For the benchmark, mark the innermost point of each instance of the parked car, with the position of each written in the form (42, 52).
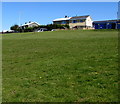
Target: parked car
(7, 31)
(42, 29)
(53, 30)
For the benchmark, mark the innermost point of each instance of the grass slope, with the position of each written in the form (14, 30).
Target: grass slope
(60, 66)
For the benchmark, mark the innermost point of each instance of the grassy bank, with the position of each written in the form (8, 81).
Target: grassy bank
(60, 66)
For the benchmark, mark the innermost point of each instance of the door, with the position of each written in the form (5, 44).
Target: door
(113, 26)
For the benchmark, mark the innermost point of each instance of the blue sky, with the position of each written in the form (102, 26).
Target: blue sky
(45, 12)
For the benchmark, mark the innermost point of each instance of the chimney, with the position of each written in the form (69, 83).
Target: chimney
(66, 16)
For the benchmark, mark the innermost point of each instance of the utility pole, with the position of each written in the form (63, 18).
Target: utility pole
(20, 25)
(19, 18)
(118, 13)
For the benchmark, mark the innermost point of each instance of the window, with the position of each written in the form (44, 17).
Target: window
(82, 20)
(74, 21)
(63, 22)
(70, 21)
(78, 20)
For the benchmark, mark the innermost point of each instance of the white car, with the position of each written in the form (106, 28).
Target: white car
(42, 29)
(53, 30)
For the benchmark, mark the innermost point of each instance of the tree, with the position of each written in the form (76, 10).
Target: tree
(29, 29)
(14, 27)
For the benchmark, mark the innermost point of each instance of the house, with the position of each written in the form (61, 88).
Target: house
(30, 24)
(107, 24)
(82, 22)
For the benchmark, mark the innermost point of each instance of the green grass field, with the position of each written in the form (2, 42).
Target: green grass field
(60, 66)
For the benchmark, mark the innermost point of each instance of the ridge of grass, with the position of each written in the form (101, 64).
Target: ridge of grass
(60, 66)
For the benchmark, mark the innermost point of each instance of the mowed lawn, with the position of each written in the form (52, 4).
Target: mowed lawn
(60, 66)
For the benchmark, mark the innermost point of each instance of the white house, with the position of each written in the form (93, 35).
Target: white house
(30, 24)
(76, 21)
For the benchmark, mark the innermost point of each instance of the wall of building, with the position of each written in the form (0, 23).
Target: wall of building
(76, 24)
(100, 25)
(107, 25)
(118, 25)
(89, 22)
(33, 25)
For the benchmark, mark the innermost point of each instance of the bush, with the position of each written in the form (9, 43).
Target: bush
(29, 29)
(56, 26)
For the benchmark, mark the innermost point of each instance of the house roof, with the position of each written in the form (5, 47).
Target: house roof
(30, 23)
(62, 19)
(80, 17)
(69, 18)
